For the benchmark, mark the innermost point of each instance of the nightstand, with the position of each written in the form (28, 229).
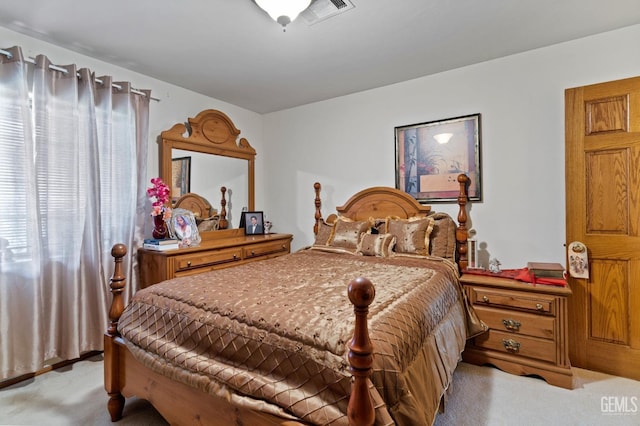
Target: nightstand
(527, 328)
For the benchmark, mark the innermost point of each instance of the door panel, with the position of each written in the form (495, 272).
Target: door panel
(607, 207)
(608, 304)
(602, 155)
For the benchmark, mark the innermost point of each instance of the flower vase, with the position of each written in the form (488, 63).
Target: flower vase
(160, 230)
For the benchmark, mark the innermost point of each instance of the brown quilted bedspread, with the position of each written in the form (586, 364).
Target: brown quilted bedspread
(277, 331)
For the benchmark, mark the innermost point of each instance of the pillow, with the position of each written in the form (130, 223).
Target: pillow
(378, 226)
(347, 233)
(443, 236)
(324, 233)
(412, 235)
(209, 224)
(380, 245)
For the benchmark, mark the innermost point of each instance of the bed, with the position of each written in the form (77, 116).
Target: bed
(276, 343)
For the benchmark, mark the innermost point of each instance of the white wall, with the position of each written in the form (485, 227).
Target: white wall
(176, 104)
(348, 143)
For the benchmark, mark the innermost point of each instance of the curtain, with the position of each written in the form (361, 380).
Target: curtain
(72, 167)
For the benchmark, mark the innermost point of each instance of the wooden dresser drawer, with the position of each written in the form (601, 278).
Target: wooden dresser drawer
(265, 249)
(542, 349)
(531, 302)
(517, 322)
(210, 258)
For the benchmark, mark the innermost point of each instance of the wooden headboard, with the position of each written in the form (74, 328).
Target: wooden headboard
(381, 202)
(198, 205)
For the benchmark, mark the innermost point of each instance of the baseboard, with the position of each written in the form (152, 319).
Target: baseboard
(12, 381)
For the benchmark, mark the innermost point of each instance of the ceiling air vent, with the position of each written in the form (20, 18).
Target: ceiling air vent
(321, 10)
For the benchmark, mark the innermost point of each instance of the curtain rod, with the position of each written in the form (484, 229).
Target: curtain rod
(57, 68)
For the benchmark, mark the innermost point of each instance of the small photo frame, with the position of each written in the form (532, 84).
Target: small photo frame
(183, 227)
(253, 223)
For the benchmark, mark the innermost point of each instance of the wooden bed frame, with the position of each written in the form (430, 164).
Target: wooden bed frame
(178, 403)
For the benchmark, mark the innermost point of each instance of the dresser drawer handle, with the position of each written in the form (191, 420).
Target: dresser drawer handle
(189, 263)
(539, 306)
(485, 299)
(253, 253)
(511, 325)
(511, 345)
(235, 257)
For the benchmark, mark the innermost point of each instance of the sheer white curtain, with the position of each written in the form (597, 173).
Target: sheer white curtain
(72, 167)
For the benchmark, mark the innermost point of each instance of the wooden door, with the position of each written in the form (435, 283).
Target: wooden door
(602, 155)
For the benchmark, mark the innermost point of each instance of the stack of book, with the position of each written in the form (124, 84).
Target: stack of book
(161, 244)
(539, 270)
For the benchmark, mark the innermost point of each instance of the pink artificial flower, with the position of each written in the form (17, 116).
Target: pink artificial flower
(159, 196)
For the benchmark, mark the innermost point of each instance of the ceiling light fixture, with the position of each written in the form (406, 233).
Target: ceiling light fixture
(283, 11)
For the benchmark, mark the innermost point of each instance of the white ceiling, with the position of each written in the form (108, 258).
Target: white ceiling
(232, 51)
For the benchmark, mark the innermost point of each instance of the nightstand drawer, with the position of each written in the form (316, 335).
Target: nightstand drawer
(513, 300)
(518, 345)
(265, 249)
(517, 322)
(199, 260)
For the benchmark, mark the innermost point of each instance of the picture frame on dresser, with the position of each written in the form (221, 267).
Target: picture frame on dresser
(253, 222)
(430, 156)
(183, 227)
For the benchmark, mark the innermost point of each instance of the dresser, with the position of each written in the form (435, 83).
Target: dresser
(527, 328)
(211, 254)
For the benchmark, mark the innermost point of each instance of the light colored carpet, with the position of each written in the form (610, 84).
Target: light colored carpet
(74, 395)
(488, 396)
(69, 396)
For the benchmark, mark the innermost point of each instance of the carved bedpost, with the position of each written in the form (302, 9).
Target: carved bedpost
(461, 232)
(112, 385)
(316, 187)
(223, 223)
(118, 282)
(360, 410)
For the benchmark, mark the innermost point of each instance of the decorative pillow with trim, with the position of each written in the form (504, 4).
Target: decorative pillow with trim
(412, 235)
(378, 225)
(209, 224)
(347, 233)
(443, 236)
(380, 245)
(324, 233)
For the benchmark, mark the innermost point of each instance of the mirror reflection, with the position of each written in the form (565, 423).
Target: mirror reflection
(209, 173)
(217, 157)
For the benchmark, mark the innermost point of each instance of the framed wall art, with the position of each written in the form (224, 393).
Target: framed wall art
(431, 155)
(180, 176)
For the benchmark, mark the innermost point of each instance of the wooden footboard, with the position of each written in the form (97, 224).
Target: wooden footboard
(124, 376)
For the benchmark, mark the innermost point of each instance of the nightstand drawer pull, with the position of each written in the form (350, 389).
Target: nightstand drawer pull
(189, 263)
(511, 325)
(485, 299)
(511, 345)
(539, 307)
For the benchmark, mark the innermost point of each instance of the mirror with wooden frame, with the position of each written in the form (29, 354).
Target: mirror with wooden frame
(218, 175)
